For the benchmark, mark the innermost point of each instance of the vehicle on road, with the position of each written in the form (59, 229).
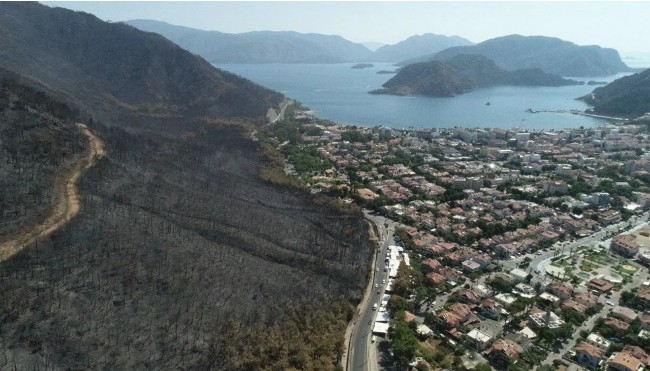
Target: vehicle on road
(376, 285)
(374, 306)
(373, 339)
(383, 281)
(609, 303)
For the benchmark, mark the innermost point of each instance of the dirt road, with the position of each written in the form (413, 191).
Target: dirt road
(65, 208)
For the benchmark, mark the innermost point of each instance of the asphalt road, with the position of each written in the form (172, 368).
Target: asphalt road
(361, 354)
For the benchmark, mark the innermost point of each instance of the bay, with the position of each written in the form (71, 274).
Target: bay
(340, 93)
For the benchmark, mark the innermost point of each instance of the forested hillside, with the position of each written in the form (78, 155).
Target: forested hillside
(461, 74)
(627, 96)
(551, 55)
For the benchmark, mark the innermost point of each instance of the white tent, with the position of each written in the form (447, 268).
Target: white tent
(382, 317)
(380, 328)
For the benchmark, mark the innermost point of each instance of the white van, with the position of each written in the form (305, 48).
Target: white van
(374, 306)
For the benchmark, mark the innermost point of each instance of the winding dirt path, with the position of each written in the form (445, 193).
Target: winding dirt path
(66, 207)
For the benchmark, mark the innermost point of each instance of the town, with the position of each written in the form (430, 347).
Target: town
(513, 249)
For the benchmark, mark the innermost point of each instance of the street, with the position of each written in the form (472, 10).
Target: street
(362, 355)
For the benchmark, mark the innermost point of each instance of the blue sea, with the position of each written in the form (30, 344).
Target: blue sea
(340, 93)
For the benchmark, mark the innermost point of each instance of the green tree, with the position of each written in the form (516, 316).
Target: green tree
(404, 344)
(482, 367)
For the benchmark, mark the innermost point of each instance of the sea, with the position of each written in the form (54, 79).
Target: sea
(339, 93)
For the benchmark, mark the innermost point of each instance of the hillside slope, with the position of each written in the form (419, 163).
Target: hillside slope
(111, 67)
(416, 46)
(551, 55)
(461, 74)
(178, 237)
(627, 96)
(258, 46)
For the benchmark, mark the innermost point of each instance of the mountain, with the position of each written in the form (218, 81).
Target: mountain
(258, 46)
(627, 96)
(372, 46)
(104, 66)
(180, 233)
(551, 55)
(461, 74)
(416, 46)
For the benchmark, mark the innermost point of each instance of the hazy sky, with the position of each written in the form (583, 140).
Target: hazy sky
(620, 25)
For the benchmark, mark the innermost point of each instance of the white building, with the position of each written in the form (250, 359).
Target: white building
(598, 341)
(479, 339)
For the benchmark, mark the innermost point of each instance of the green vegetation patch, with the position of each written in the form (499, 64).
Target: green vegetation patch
(626, 269)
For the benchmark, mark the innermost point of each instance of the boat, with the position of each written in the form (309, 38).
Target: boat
(487, 104)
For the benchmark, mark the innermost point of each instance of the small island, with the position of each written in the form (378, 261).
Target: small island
(359, 66)
(462, 74)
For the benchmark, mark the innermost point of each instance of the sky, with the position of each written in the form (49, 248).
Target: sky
(619, 25)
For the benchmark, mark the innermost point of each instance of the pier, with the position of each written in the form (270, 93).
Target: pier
(577, 112)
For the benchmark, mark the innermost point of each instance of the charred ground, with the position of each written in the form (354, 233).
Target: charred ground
(180, 247)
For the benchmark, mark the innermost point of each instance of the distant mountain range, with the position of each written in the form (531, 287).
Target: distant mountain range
(104, 67)
(627, 96)
(292, 47)
(372, 46)
(258, 46)
(461, 74)
(551, 55)
(416, 46)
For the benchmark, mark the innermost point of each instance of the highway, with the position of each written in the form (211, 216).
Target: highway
(362, 352)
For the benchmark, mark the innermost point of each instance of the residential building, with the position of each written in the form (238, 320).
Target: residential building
(589, 355)
(616, 324)
(586, 298)
(598, 341)
(478, 338)
(600, 284)
(624, 362)
(561, 290)
(491, 309)
(520, 339)
(625, 245)
(609, 217)
(432, 265)
(637, 353)
(502, 352)
(555, 187)
(518, 275)
(623, 313)
(574, 305)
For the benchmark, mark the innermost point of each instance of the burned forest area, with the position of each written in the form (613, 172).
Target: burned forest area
(180, 257)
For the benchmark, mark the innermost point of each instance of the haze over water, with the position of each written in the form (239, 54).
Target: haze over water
(340, 93)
